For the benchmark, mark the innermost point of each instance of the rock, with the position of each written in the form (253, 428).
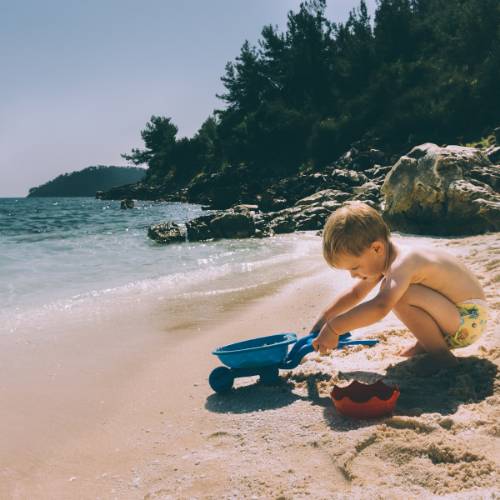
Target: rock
(315, 211)
(269, 201)
(372, 204)
(246, 209)
(359, 158)
(167, 232)
(323, 196)
(435, 190)
(377, 173)
(99, 195)
(311, 218)
(127, 203)
(290, 212)
(496, 133)
(486, 174)
(331, 206)
(228, 224)
(279, 203)
(367, 188)
(287, 191)
(283, 224)
(309, 223)
(199, 229)
(232, 225)
(347, 179)
(369, 191)
(493, 153)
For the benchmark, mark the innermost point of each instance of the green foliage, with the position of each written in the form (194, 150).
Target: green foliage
(171, 159)
(210, 155)
(421, 70)
(483, 142)
(159, 139)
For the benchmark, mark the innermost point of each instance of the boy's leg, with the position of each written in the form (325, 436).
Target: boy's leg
(428, 315)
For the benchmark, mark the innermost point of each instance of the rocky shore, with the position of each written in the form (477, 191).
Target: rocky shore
(438, 190)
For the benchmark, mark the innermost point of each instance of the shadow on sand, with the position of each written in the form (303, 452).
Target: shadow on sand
(471, 381)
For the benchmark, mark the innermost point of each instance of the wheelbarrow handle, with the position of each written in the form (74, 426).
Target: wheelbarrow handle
(304, 346)
(307, 340)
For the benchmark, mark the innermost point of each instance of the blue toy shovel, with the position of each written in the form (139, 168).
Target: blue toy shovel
(265, 356)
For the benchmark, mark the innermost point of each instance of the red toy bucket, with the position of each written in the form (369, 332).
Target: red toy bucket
(365, 400)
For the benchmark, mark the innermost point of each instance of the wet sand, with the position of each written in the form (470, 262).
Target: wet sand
(130, 414)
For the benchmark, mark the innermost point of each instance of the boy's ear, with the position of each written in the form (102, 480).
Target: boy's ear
(377, 246)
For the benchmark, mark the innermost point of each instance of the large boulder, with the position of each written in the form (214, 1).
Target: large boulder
(442, 191)
(240, 221)
(232, 225)
(199, 229)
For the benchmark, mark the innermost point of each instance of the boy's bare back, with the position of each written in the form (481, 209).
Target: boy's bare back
(435, 269)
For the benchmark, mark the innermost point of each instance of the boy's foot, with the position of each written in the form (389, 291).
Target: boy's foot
(413, 350)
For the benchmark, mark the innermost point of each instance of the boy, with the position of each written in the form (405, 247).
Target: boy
(431, 292)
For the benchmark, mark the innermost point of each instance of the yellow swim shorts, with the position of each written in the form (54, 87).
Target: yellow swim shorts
(473, 318)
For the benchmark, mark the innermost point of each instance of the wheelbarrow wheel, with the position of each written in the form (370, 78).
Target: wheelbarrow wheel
(270, 375)
(221, 379)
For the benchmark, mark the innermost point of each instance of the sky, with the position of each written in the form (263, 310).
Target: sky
(80, 79)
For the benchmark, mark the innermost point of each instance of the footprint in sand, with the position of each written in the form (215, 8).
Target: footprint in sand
(223, 438)
(406, 450)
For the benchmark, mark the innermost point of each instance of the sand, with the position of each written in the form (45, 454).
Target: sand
(135, 417)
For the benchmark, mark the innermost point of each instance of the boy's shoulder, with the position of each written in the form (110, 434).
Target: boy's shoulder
(415, 259)
(409, 259)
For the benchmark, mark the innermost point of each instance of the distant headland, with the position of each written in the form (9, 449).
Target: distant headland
(89, 180)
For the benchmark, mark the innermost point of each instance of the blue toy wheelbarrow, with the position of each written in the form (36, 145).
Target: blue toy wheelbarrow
(265, 356)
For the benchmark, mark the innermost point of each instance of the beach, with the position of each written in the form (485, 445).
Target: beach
(119, 406)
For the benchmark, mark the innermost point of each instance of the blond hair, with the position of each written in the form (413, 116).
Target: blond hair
(351, 229)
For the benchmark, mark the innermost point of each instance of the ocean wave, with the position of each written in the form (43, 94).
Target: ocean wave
(213, 275)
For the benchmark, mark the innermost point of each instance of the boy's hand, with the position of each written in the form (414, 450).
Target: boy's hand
(327, 340)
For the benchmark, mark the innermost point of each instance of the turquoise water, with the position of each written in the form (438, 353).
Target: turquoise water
(56, 252)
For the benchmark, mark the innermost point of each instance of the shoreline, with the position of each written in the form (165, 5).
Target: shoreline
(131, 367)
(131, 415)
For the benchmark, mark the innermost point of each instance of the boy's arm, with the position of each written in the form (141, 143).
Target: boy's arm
(345, 301)
(391, 290)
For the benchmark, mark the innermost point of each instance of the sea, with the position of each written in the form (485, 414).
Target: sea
(83, 254)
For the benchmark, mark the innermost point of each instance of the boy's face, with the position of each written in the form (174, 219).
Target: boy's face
(369, 264)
